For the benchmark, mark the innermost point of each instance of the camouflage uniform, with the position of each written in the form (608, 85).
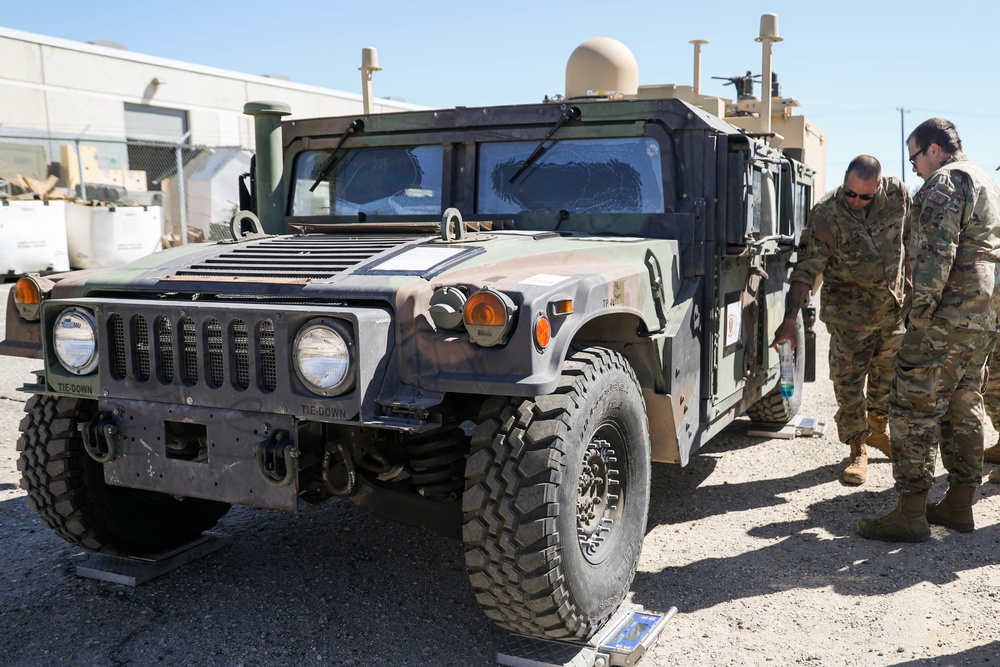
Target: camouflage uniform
(951, 328)
(860, 255)
(991, 390)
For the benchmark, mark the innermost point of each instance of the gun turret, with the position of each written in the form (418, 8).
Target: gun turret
(743, 84)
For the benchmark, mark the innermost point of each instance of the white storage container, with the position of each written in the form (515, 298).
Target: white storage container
(32, 236)
(101, 237)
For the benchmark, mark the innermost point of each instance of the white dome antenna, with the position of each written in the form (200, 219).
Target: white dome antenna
(602, 67)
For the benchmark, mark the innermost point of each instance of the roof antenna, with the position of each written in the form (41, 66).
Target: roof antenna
(768, 35)
(697, 64)
(369, 64)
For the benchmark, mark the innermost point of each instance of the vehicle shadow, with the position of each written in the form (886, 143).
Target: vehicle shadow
(677, 494)
(332, 585)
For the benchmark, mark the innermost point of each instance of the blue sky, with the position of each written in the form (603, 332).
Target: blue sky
(850, 64)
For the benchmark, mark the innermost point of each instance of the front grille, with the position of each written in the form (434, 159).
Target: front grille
(116, 331)
(143, 367)
(213, 331)
(120, 347)
(268, 363)
(190, 346)
(296, 257)
(165, 349)
(208, 350)
(241, 350)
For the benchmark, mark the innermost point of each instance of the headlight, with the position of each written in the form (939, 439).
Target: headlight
(75, 340)
(322, 357)
(446, 307)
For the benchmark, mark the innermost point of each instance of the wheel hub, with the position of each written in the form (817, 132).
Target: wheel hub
(596, 511)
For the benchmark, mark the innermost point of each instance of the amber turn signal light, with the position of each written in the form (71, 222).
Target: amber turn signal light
(488, 317)
(28, 294)
(562, 307)
(485, 309)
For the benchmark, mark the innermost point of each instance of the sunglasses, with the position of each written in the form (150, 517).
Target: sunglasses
(851, 194)
(913, 158)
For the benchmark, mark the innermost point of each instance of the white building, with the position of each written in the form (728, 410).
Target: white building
(57, 87)
(99, 121)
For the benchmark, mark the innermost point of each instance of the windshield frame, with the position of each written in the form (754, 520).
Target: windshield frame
(459, 163)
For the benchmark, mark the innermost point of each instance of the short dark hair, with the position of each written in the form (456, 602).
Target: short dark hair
(864, 167)
(937, 131)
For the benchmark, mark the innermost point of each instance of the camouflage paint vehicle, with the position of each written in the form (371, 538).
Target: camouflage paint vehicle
(487, 322)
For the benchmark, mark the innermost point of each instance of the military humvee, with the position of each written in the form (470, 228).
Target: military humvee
(486, 322)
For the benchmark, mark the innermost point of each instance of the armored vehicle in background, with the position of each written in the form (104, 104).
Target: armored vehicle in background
(486, 322)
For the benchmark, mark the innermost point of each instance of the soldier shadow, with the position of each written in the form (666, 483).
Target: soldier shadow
(822, 550)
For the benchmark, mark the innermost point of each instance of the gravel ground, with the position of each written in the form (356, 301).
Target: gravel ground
(754, 542)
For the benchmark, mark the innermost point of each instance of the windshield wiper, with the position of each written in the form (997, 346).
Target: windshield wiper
(570, 113)
(356, 125)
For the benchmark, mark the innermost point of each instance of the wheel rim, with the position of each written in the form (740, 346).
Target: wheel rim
(600, 492)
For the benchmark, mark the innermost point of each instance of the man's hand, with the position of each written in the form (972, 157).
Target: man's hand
(797, 293)
(787, 331)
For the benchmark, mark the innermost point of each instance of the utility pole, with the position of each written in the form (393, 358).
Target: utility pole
(902, 139)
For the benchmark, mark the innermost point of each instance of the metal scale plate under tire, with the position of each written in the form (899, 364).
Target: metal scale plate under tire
(139, 570)
(622, 642)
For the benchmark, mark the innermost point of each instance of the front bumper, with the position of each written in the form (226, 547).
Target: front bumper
(150, 456)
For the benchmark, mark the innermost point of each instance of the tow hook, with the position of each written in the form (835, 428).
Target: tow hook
(100, 437)
(276, 459)
(338, 471)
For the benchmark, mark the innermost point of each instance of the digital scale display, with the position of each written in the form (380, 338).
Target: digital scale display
(632, 631)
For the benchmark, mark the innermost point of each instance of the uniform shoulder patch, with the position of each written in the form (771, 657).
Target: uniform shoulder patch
(938, 197)
(891, 184)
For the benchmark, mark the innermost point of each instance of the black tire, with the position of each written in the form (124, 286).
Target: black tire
(775, 408)
(67, 489)
(536, 493)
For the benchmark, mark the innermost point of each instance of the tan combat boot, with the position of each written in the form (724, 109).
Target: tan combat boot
(992, 454)
(879, 437)
(908, 523)
(995, 475)
(955, 510)
(857, 468)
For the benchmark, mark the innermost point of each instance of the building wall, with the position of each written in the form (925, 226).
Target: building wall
(56, 87)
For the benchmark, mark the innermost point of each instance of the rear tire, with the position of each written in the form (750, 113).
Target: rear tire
(557, 491)
(67, 489)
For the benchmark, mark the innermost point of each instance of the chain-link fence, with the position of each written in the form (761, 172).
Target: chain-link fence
(195, 187)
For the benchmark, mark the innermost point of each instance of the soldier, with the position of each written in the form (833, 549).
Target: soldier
(951, 329)
(855, 241)
(991, 402)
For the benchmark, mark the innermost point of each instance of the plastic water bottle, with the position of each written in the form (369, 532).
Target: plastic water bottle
(787, 361)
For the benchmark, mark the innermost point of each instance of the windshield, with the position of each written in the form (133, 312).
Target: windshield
(622, 175)
(372, 181)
